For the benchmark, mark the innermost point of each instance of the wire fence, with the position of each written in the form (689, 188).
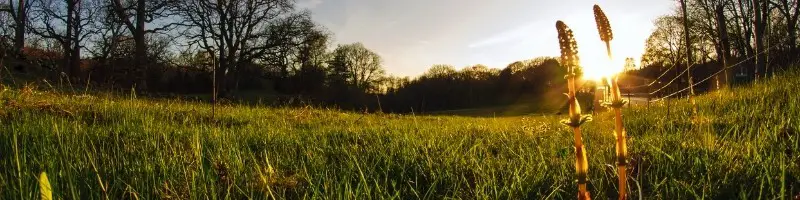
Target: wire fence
(710, 76)
(651, 83)
(673, 80)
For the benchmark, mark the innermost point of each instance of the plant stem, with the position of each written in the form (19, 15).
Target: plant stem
(619, 130)
(581, 163)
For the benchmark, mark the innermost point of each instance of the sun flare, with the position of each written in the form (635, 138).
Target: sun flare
(596, 65)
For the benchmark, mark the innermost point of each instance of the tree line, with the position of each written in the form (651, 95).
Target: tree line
(275, 48)
(744, 39)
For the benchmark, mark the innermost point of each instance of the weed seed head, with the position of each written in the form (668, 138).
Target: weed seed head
(603, 26)
(569, 48)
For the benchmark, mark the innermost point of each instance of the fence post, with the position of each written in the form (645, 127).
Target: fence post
(629, 100)
(649, 90)
(213, 83)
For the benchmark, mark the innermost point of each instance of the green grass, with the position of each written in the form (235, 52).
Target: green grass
(743, 145)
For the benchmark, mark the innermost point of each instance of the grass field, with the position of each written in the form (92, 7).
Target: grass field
(743, 145)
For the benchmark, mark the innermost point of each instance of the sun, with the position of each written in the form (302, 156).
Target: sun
(596, 65)
(595, 62)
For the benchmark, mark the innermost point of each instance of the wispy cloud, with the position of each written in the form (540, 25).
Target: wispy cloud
(411, 35)
(309, 4)
(513, 34)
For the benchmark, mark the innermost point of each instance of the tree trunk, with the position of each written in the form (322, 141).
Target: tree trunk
(141, 46)
(725, 45)
(222, 68)
(747, 32)
(67, 40)
(792, 39)
(759, 26)
(791, 22)
(19, 31)
(138, 32)
(76, 46)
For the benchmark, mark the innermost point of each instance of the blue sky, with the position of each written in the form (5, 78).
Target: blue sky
(412, 35)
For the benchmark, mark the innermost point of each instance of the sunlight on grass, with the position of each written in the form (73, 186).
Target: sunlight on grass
(124, 148)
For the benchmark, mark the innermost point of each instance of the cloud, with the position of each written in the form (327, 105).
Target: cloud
(309, 4)
(513, 34)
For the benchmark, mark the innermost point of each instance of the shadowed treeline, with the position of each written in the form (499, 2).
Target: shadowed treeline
(444, 88)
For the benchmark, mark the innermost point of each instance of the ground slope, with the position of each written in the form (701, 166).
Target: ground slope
(743, 144)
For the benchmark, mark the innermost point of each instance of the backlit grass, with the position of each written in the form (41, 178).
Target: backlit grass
(742, 145)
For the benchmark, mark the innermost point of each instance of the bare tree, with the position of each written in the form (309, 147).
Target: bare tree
(310, 61)
(110, 32)
(444, 71)
(666, 43)
(19, 14)
(6, 23)
(135, 15)
(357, 66)
(702, 13)
(790, 10)
(291, 39)
(724, 53)
(743, 27)
(312, 50)
(242, 31)
(67, 22)
(761, 12)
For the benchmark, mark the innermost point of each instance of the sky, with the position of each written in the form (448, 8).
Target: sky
(413, 35)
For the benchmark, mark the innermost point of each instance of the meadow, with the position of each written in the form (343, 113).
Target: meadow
(743, 144)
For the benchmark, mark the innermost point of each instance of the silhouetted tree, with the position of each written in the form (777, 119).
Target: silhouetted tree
(135, 15)
(356, 66)
(68, 22)
(761, 13)
(790, 10)
(312, 57)
(19, 14)
(666, 44)
(244, 31)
